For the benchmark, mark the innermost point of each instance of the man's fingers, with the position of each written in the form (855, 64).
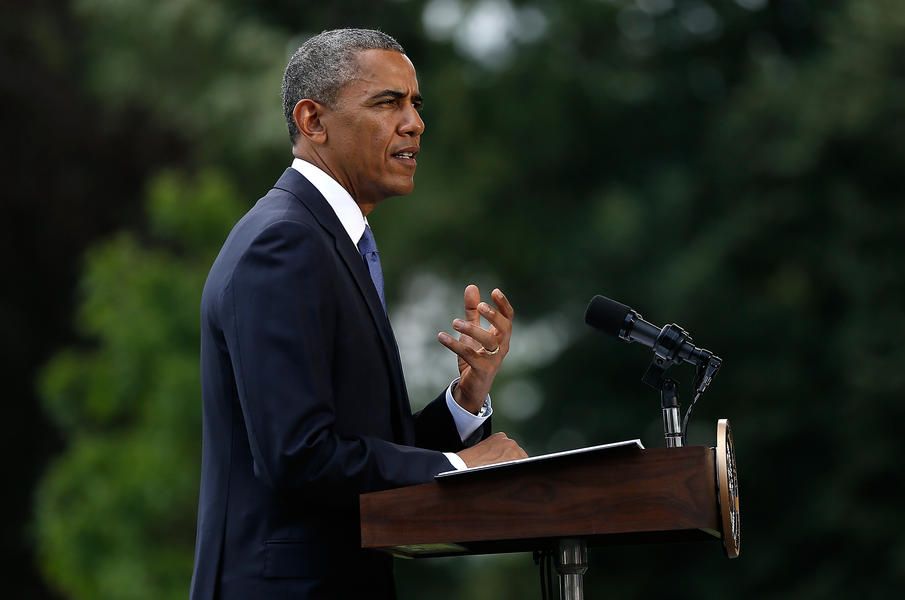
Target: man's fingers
(470, 341)
(472, 299)
(502, 303)
(482, 336)
(495, 318)
(466, 352)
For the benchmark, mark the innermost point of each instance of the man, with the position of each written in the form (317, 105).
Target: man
(304, 402)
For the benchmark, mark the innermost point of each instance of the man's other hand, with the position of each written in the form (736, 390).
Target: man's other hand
(495, 449)
(480, 351)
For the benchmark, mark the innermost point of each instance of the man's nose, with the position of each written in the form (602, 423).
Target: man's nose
(412, 124)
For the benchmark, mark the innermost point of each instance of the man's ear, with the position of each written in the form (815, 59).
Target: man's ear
(307, 116)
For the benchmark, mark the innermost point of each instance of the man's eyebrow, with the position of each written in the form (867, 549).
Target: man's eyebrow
(397, 95)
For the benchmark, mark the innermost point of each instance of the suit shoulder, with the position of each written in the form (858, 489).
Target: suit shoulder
(274, 207)
(276, 220)
(278, 210)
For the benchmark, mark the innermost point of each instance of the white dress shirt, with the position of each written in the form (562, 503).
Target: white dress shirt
(354, 222)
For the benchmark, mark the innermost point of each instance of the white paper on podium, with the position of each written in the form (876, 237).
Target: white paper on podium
(602, 447)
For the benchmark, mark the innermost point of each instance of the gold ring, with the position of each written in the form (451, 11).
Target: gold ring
(492, 352)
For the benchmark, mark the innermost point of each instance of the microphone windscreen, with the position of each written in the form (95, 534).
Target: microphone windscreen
(606, 315)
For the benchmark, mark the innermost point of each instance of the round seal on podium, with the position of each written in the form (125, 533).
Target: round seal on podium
(727, 482)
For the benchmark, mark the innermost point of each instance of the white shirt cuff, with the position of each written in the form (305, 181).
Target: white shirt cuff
(466, 422)
(456, 462)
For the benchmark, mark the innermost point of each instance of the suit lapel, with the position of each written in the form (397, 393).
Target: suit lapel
(293, 182)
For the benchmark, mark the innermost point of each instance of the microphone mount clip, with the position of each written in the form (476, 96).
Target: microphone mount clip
(665, 351)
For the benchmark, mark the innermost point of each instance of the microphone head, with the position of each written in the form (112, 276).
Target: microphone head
(606, 315)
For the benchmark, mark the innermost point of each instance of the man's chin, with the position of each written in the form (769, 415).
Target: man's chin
(401, 189)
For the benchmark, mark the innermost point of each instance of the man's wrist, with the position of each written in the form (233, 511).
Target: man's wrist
(469, 404)
(467, 422)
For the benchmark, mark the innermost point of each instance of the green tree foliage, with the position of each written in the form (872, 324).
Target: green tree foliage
(735, 167)
(193, 66)
(114, 513)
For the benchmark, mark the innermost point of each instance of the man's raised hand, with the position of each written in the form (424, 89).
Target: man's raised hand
(480, 351)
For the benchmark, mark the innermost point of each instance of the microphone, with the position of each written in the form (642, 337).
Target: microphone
(671, 343)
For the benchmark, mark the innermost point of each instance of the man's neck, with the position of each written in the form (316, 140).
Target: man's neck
(339, 199)
(318, 161)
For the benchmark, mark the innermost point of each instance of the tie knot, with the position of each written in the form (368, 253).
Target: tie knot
(367, 244)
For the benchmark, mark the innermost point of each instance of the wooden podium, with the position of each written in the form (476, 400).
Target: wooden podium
(562, 504)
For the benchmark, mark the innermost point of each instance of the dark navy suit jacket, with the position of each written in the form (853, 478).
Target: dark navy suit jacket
(304, 407)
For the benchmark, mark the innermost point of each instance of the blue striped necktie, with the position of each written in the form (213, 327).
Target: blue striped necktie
(367, 246)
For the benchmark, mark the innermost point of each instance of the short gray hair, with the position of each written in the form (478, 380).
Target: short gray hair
(324, 64)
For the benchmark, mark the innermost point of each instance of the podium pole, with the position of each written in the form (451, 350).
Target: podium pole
(571, 564)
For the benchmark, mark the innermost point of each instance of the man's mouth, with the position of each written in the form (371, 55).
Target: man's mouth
(407, 155)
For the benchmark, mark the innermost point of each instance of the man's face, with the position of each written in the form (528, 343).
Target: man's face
(374, 129)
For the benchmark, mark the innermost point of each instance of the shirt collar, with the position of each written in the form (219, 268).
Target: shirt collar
(347, 211)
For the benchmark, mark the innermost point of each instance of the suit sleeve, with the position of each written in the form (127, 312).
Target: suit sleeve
(436, 429)
(276, 314)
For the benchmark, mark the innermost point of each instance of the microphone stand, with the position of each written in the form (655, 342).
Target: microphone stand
(666, 354)
(669, 406)
(655, 377)
(665, 351)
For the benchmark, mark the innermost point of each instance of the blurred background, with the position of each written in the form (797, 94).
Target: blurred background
(735, 166)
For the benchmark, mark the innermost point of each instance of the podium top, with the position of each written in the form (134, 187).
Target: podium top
(613, 493)
(636, 444)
